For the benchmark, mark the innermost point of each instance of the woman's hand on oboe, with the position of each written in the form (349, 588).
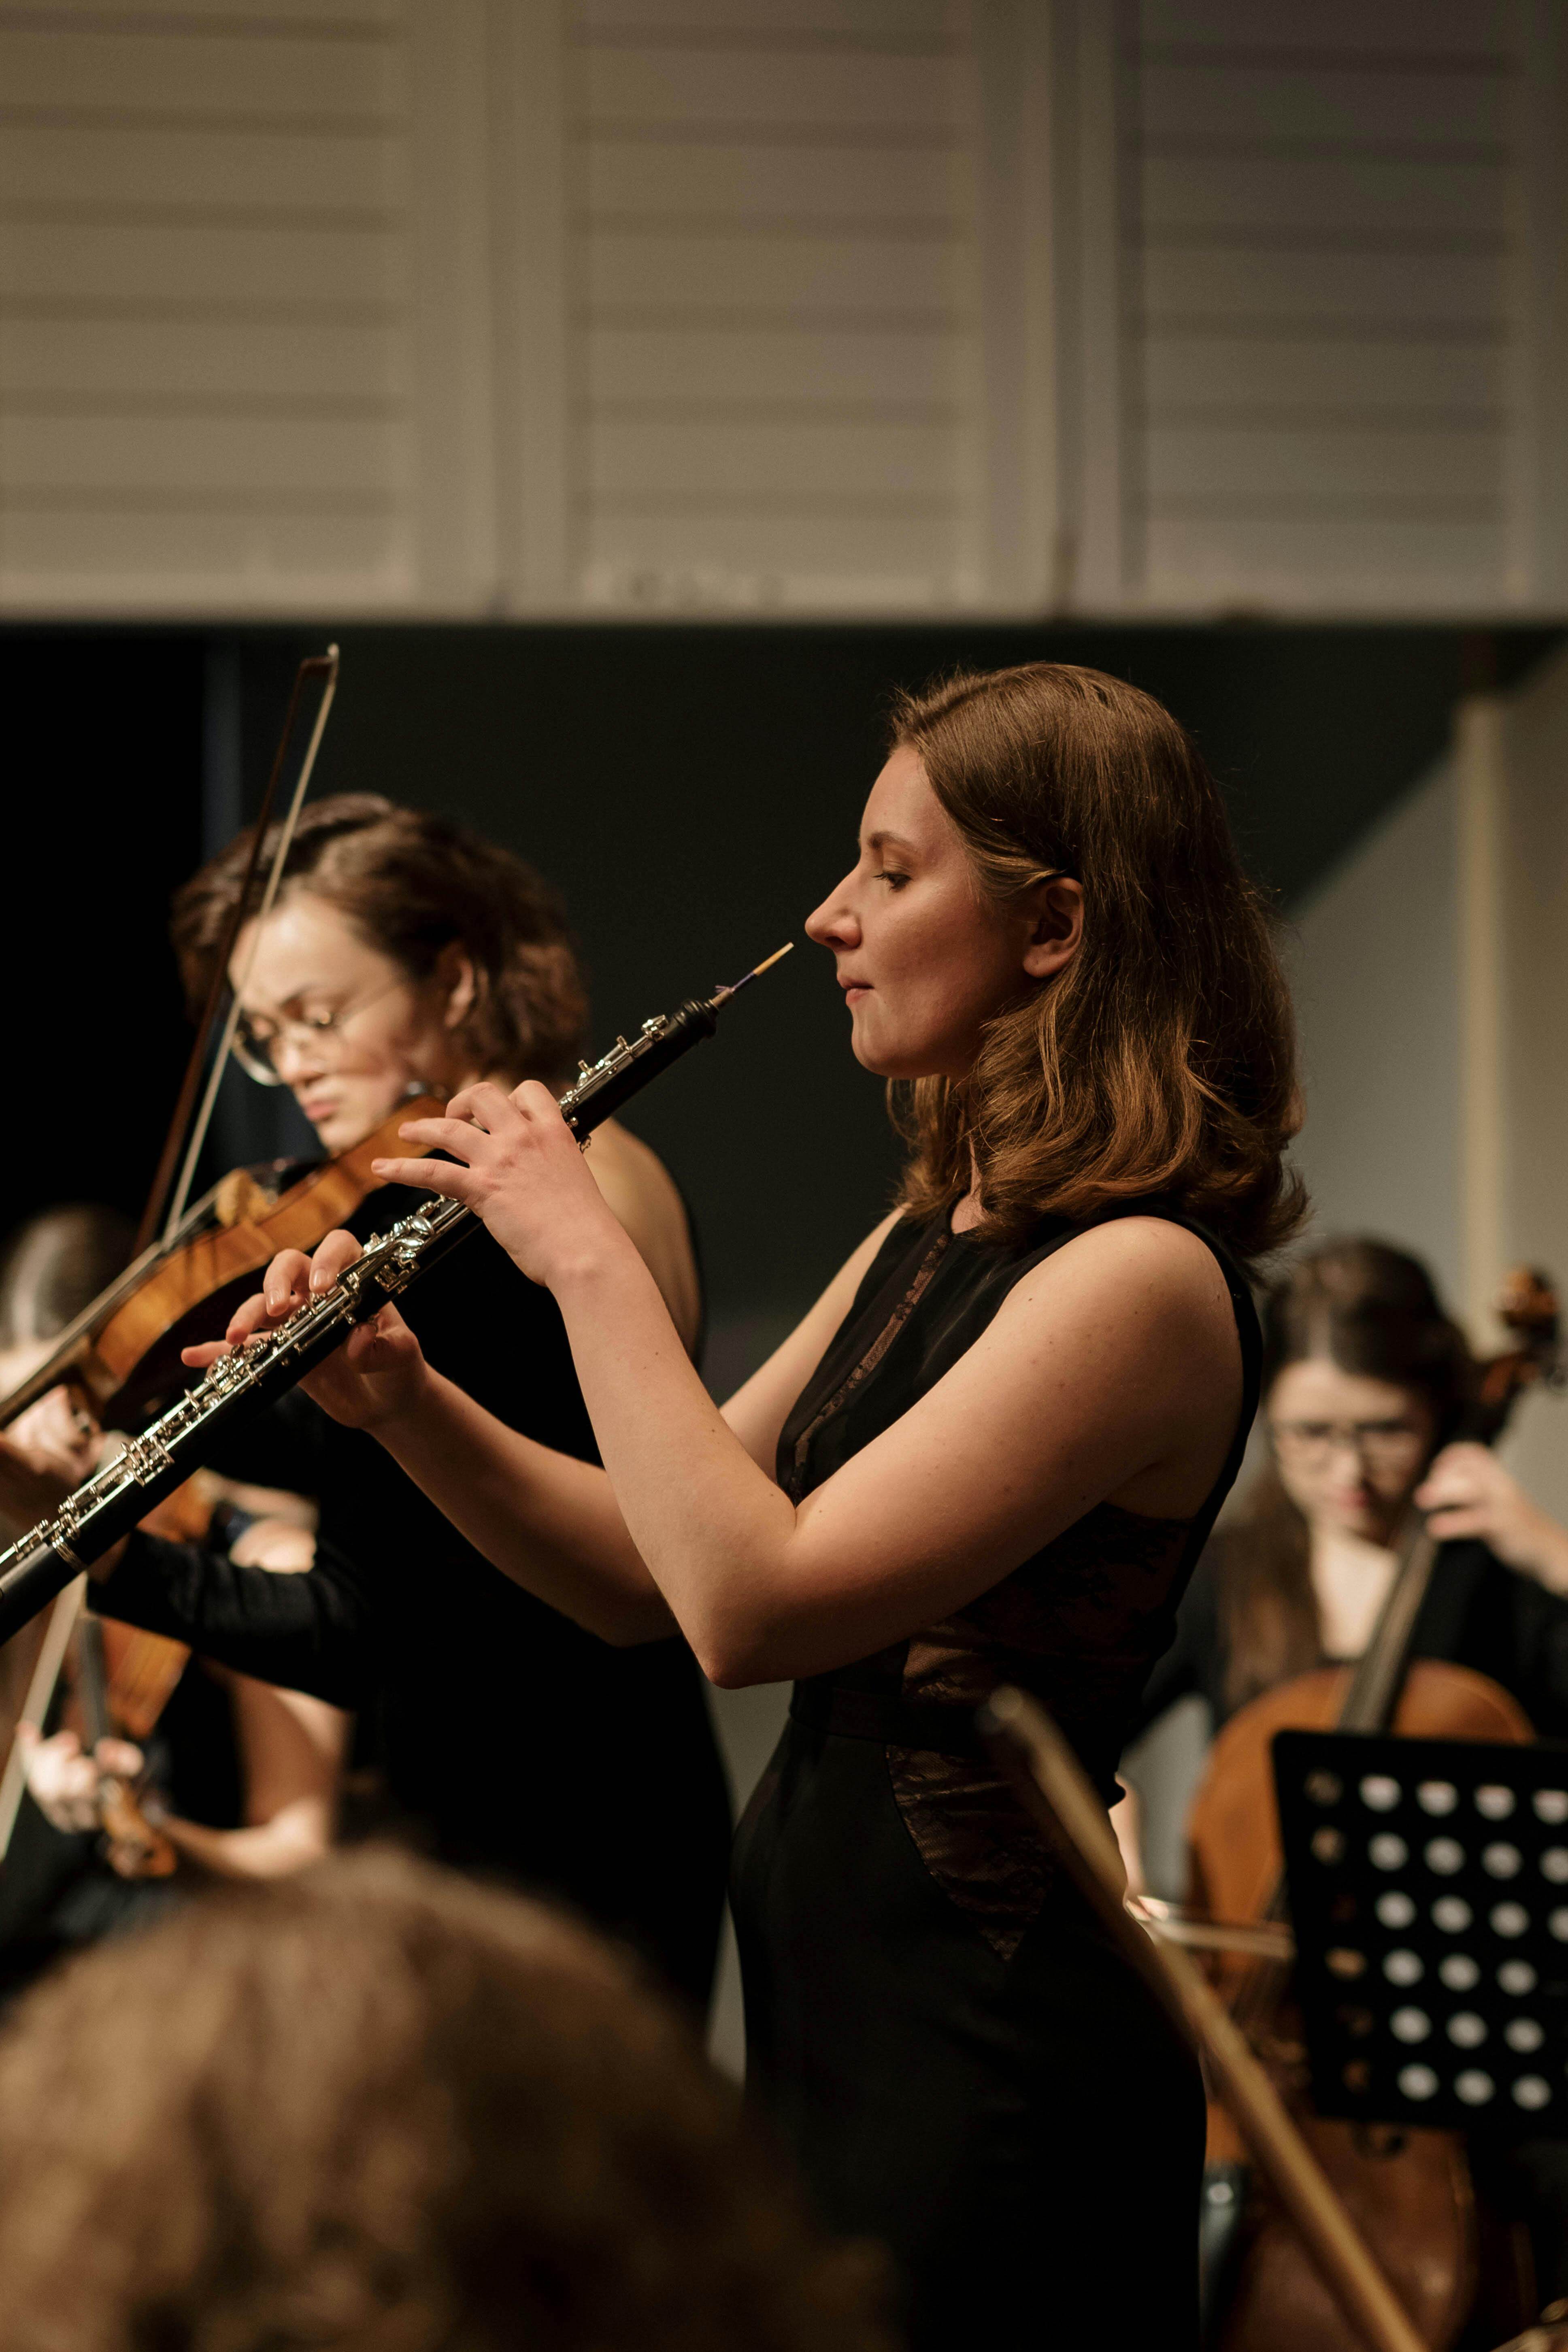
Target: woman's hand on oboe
(378, 1374)
(520, 1169)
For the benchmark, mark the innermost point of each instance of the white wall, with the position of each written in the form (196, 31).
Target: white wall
(1533, 1223)
(1431, 974)
(795, 306)
(1374, 957)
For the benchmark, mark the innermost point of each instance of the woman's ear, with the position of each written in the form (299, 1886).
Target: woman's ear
(1055, 924)
(455, 976)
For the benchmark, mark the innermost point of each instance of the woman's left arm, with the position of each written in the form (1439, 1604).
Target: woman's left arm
(1112, 1369)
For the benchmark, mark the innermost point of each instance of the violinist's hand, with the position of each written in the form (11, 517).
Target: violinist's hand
(45, 1454)
(64, 1784)
(1467, 1493)
(59, 1434)
(376, 1375)
(29, 1488)
(522, 1171)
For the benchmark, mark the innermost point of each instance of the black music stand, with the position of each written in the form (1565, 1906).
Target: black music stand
(1428, 1885)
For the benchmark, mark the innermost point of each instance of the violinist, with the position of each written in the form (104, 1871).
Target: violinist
(405, 956)
(990, 1453)
(1365, 1378)
(240, 1779)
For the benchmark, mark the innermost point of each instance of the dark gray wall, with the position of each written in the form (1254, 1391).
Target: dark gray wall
(693, 790)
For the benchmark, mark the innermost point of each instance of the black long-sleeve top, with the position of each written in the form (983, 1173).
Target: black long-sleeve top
(512, 1742)
(1477, 1613)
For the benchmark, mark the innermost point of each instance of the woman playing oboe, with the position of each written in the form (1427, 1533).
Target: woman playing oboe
(990, 1452)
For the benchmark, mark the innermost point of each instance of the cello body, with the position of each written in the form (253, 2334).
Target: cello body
(1233, 1828)
(1409, 2190)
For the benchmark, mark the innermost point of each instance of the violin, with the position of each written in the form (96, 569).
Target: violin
(119, 1358)
(122, 1352)
(133, 1847)
(1409, 2189)
(121, 1679)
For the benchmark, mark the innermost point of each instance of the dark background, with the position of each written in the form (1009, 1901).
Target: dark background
(694, 791)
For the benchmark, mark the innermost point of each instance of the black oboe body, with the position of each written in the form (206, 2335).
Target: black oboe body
(90, 1522)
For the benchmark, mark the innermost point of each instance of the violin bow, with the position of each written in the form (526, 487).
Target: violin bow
(317, 666)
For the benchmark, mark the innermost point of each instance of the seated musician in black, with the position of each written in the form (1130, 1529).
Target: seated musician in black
(241, 1779)
(1364, 1377)
(405, 956)
(1364, 1380)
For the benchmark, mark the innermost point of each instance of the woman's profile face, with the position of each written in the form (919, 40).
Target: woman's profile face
(1349, 1449)
(344, 1025)
(923, 959)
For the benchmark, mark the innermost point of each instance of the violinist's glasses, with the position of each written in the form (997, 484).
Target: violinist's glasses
(260, 1042)
(1393, 1444)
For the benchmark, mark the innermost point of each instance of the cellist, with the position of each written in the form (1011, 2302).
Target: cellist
(403, 957)
(1365, 1376)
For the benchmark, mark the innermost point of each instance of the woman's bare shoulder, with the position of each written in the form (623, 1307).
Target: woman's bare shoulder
(1148, 1262)
(1140, 1309)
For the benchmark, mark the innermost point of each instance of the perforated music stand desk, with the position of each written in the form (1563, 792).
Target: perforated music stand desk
(1429, 1887)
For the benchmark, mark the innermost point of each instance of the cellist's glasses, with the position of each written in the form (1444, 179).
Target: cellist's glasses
(1390, 1445)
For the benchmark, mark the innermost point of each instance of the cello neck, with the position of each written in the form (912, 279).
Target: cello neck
(1529, 1309)
(1379, 1675)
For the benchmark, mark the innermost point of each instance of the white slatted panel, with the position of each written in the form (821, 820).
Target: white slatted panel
(1321, 222)
(826, 306)
(772, 288)
(205, 338)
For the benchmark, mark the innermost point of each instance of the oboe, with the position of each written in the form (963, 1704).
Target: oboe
(93, 1519)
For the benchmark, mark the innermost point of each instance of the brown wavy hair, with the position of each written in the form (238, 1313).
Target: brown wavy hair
(1162, 1059)
(379, 2108)
(414, 885)
(1373, 1310)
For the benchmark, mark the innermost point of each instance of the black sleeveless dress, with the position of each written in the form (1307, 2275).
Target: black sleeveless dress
(941, 2033)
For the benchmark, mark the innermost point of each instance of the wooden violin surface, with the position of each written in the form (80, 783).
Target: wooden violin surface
(124, 1352)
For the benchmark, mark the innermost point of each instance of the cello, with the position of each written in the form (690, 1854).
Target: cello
(1409, 2190)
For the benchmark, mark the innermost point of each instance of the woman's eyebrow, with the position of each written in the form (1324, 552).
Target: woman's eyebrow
(887, 841)
(305, 988)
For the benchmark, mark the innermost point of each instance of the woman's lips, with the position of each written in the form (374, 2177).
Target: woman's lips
(854, 989)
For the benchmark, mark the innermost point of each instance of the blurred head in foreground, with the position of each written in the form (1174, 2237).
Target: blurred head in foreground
(377, 2106)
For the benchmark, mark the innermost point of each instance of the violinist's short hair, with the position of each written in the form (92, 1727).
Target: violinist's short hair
(375, 2104)
(415, 884)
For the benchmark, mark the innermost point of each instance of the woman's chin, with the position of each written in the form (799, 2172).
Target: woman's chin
(885, 1057)
(875, 1057)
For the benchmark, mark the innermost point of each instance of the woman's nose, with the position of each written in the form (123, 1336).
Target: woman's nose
(296, 1054)
(834, 924)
